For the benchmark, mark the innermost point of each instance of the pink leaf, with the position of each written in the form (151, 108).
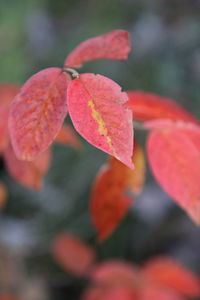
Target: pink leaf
(95, 107)
(37, 112)
(112, 45)
(175, 162)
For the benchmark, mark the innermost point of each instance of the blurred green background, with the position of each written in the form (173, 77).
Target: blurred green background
(165, 59)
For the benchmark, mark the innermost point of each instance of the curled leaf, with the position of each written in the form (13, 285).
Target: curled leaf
(72, 254)
(112, 45)
(95, 107)
(37, 112)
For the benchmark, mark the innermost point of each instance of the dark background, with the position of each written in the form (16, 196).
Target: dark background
(165, 59)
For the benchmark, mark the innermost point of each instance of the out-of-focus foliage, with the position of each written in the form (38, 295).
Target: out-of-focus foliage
(165, 59)
(159, 278)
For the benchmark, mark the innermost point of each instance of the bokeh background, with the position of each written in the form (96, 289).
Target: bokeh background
(165, 59)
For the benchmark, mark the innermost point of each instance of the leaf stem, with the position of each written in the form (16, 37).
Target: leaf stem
(73, 73)
(139, 125)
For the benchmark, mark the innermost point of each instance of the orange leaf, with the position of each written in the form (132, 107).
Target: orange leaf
(169, 273)
(175, 162)
(108, 204)
(134, 178)
(149, 106)
(37, 112)
(137, 176)
(72, 254)
(27, 173)
(7, 93)
(95, 107)
(3, 195)
(67, 136)
(112, 45)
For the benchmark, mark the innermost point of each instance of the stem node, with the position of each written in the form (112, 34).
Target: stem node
(73, 73)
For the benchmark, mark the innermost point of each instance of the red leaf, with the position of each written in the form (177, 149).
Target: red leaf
(175, 162)
(95, 107)
(112, 45)
(149, 106)
(67, 136)
(108, 204)
(7, 93)
(170, 274)
(157, 293)
(115, 274)
(37, 112)
(72, 254)
(27, 173)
